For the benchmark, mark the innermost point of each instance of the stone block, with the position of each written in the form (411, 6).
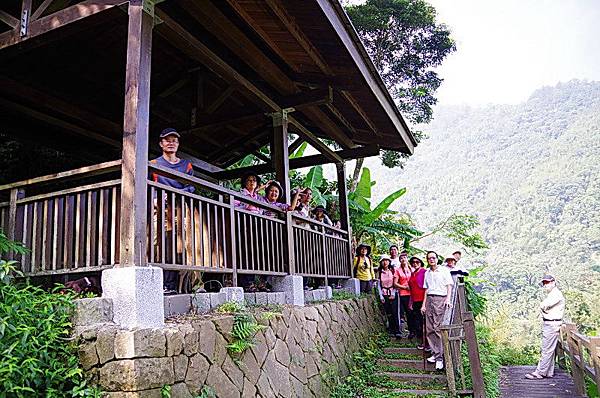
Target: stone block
(261, 298)
(140, 343)
(180, 367)
(105, 344)
(180, 390)
(249, 390)
(201, 303)
(175, 340)
(154, 393)
(328, 292)
(224, 325)
(206, 338)
(92, 311)
(136, 374)
(216, 299)
(352, 285)
(222, 385)
(282, 354)
(309, 296)
(196, 373)
(137, 295)
(233, 294)
(233, 372)
(88, 357)
(292, 286)
(178, 304)
(190, 339)
(250, 298)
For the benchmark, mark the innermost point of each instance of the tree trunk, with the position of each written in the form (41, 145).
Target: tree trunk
(356, 174)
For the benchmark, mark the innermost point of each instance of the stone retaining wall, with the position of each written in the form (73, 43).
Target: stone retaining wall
(292, 355)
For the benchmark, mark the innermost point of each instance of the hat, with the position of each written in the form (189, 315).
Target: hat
(450, 259)
(416, 258)
(251, 174)
(547, 278)
(169, 131)
(360, 246)
(276, 184)
(384, 257)
(319, 207)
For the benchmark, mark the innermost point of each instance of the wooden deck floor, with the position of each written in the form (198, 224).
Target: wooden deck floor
(513, 384)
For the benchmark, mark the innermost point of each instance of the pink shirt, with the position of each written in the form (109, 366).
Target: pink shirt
(403, 278)
(386, 280)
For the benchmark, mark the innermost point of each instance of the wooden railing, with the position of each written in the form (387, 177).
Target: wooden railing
(583, 353)
(76, 228)
(458, 327)
(72, 229)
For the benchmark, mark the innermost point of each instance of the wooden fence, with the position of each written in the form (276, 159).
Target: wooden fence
(458, 327)
(583, 354)
(76, 228)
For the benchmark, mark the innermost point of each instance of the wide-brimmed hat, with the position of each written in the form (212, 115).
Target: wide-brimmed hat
(547, 278)
(274, 184)
(416, 258)
(248, 175)
(450, 259)
(360, 246)
(384, 257)
(317, 208)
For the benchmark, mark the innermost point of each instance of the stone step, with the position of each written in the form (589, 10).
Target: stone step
(415, 378)
(413, 392)
(407, 363)
(402, 350)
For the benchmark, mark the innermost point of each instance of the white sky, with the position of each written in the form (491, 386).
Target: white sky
(508, 48)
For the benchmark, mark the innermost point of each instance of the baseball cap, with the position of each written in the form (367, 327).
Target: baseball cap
(169, 131)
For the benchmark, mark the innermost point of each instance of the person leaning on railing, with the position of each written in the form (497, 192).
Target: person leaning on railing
(250, 188)
(438, 284)
(169, 144)
(387, 288)
(363, 268)
(273, 195)
(320, 214)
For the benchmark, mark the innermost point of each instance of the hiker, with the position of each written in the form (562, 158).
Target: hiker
(387, 287)
(303, 208)
(417, 295)
(452, 264)
(403, 272)
(438, 287)
(320, 214)
(363, 268)
(250, 187)
(169, 144)
(394, 258)
(273, 195)
(552, 309)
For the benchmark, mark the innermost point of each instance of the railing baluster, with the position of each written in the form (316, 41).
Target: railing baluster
(173, 211)
(88, 230)
(34, 236)
(216, 236)
(210, 235)
(223, 247)
(202, 236)
(192, 231)
(183, 220)
(232, 239)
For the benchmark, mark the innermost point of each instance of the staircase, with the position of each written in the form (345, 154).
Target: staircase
(402, 374)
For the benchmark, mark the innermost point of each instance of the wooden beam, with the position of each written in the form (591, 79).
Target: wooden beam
(342, 119)
(314, 141)
(279, 152)
(254, 136)
(219, 101)
(40, 10)
(9, 19)
(58, 20)
(215, 122)
(298, 163)
(135, 137)
(288, 21)
(295, 145)
(308, 98)
(343, 196)
(352, 101)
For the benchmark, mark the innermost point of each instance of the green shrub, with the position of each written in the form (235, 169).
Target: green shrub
(37, 356)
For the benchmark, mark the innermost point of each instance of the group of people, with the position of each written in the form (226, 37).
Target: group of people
(411, 292)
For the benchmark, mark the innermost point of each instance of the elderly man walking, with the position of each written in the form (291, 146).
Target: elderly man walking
(553, 309)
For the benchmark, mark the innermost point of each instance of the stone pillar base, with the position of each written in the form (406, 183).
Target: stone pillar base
(235, 294)
(137, 296)
(292, 286)
(352, 285)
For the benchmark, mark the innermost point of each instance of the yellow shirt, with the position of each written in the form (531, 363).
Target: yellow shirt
(364, 268)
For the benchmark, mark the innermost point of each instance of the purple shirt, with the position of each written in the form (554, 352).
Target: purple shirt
(248, 206)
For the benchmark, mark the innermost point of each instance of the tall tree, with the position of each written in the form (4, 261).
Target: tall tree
(406, 44)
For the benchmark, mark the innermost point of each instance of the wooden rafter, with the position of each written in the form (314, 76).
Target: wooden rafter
(220, 100)
(9, 19)
(352, 101)
(40, 10)
(56, 20)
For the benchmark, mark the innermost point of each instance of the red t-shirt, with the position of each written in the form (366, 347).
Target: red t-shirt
(415, 283)
(403, 278)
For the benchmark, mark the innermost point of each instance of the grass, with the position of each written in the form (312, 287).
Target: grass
(399, 369)
(399, 355)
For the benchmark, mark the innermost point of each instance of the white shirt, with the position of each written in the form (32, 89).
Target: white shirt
(436, 282)
(553, 306)
(395, 262)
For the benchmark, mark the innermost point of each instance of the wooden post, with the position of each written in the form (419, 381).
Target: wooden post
(473, 352)
(289, 243)
(232, 241)
(11, 233)
(449, 360)
(595, 358)
(575, 355)
(344, 212)
(279, 152)
(135, 136)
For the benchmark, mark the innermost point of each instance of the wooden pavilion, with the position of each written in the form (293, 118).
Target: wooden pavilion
(99, 79)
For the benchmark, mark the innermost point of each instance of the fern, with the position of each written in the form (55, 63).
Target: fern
(243, 331)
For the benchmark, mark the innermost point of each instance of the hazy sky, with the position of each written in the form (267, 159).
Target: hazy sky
(508, 48)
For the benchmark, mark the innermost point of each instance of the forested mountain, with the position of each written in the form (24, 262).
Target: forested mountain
(531, 173)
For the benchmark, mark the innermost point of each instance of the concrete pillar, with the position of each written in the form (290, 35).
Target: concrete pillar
(137, 296)
(292, 286)
(352, 285)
